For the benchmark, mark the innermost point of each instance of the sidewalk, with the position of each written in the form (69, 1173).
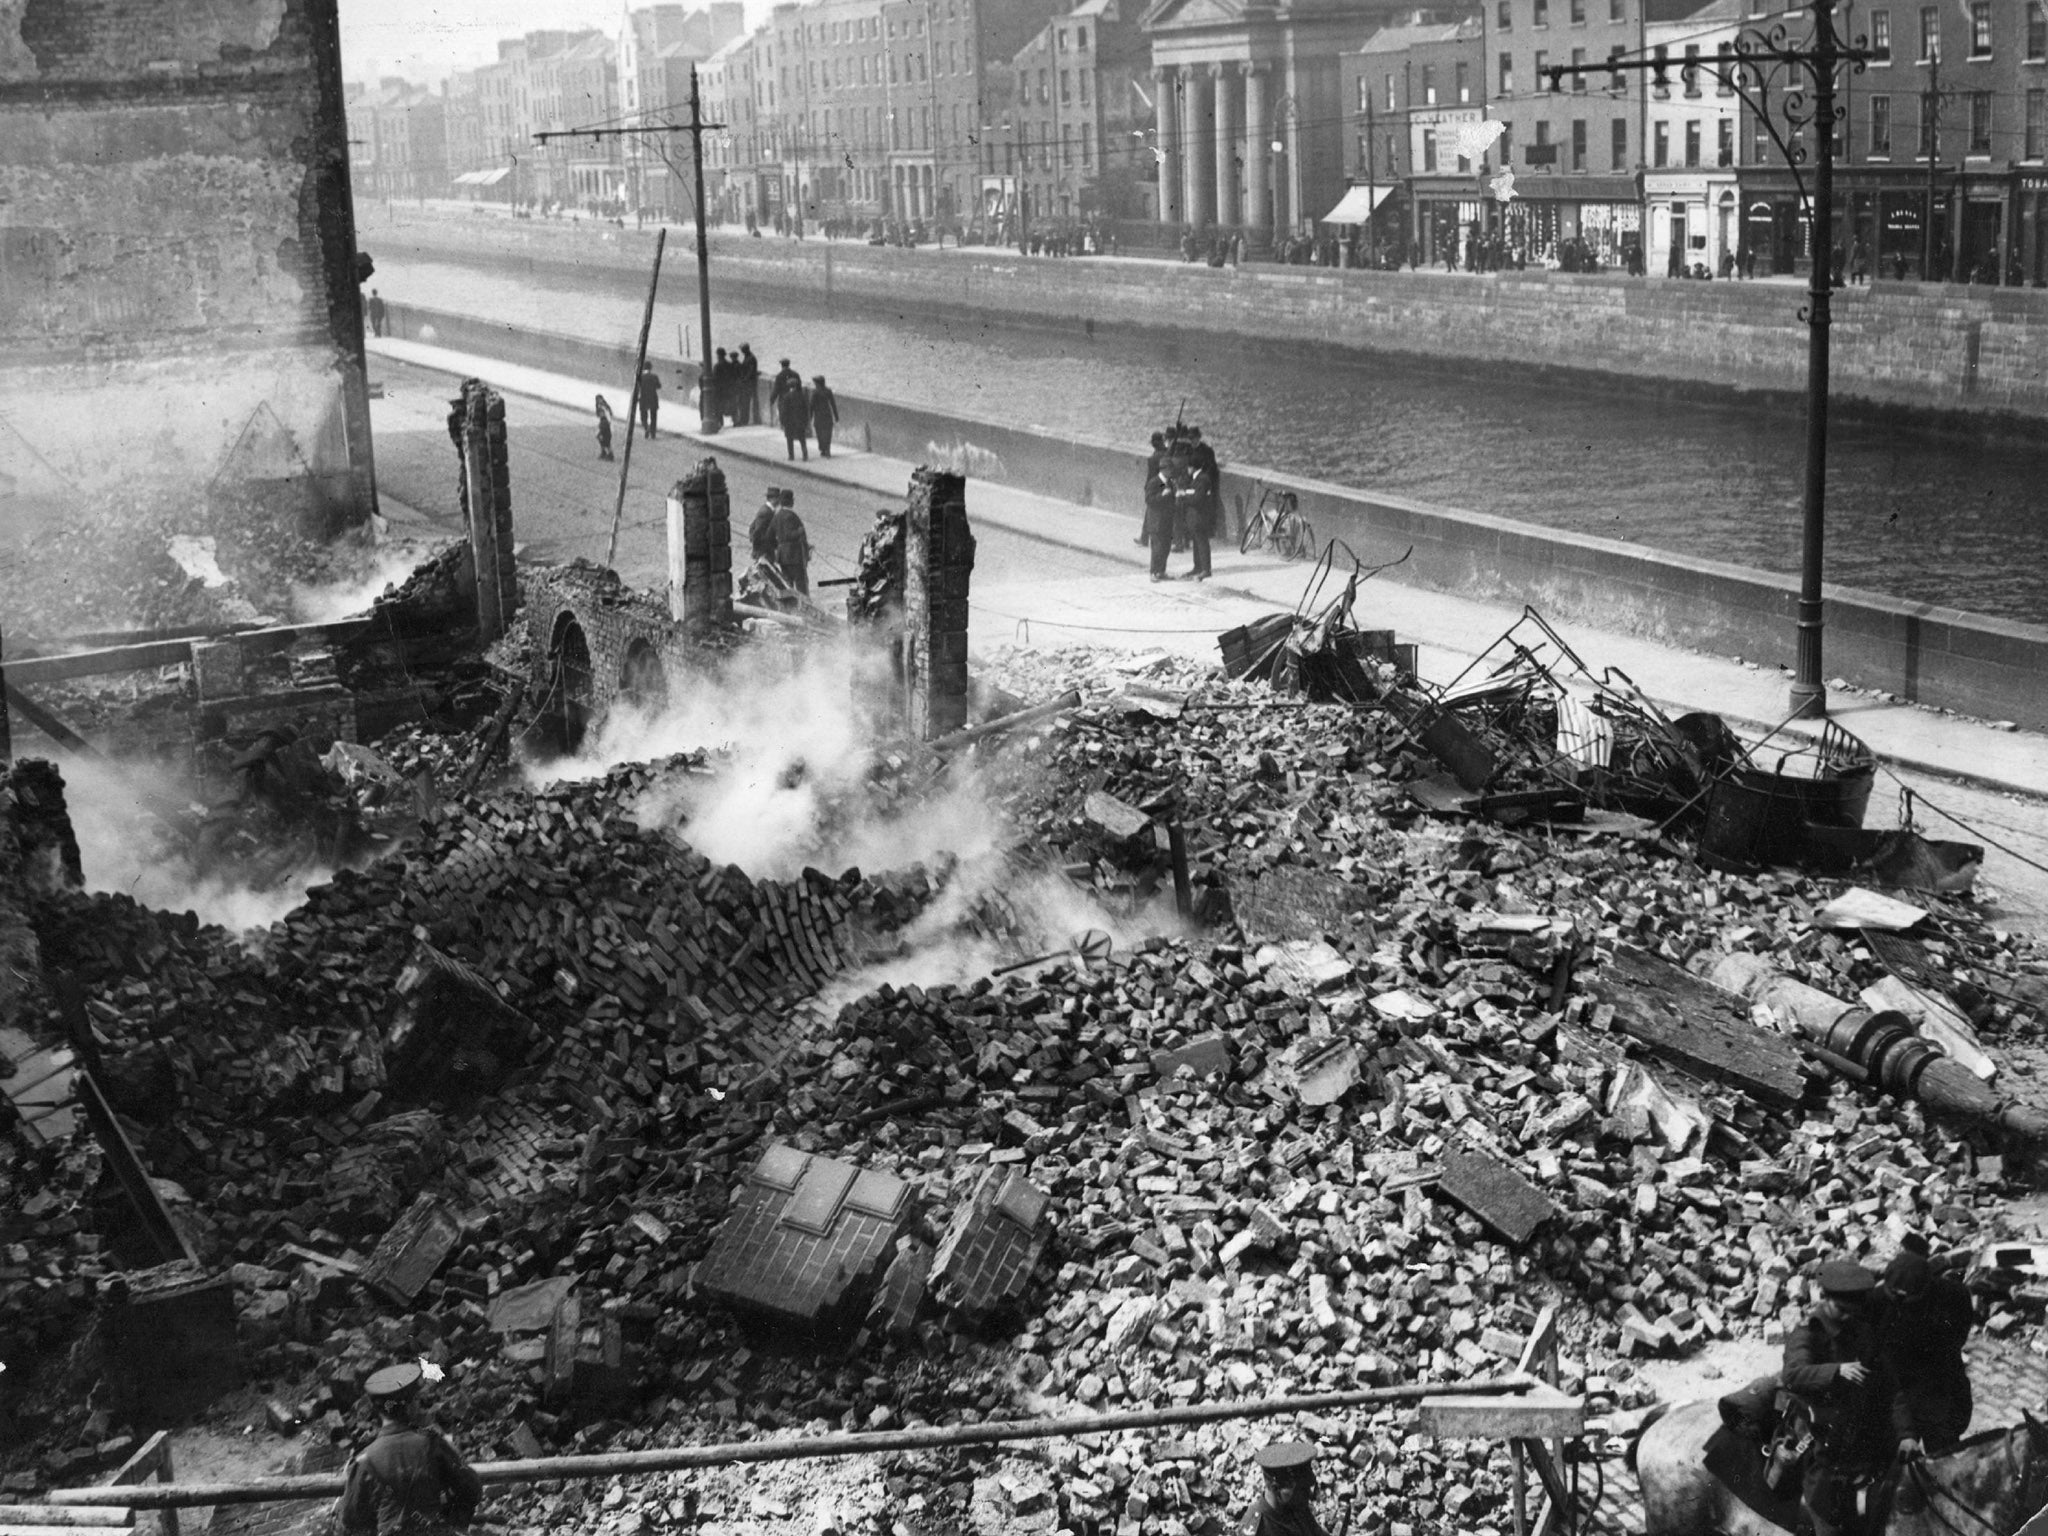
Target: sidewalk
(1449, 629)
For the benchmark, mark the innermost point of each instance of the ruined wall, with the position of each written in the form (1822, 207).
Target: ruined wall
(178, 307)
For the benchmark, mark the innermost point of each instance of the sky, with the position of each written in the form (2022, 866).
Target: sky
(424, 39)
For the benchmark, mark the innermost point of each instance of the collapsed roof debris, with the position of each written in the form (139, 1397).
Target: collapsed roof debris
(1382, 1087)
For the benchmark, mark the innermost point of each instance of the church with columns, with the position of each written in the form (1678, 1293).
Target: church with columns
(1252, 116)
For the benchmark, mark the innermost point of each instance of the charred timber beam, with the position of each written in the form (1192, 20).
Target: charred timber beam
(1699, 1027)
(167, 653)
(1071, 699)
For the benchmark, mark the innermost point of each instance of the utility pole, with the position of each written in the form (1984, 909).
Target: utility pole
(696, 128)
(1932, 108)
(1807, 99)
(1372, 187)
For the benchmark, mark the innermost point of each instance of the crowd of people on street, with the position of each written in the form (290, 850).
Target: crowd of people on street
(802, 412)
(1183, 505)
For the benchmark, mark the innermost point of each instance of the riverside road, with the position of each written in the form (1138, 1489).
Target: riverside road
(1922, 518)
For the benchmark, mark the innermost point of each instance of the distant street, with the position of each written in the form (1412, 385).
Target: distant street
(563, 494)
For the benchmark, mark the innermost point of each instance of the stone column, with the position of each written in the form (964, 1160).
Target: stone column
(1292, 138)
(1194, 183)
(700, 549)
(1258, 151)
(938, 565)
(1226, 138)
(1166, 117)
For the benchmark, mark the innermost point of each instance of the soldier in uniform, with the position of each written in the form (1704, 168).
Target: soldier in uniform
(410, 1479)
(1285, 1507)
(1834, 1370)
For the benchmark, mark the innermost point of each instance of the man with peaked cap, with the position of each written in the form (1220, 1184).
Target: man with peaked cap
(761, 531)
(409, 1479)
(1836, 1375)
(1924, 1317)
(1285, 1506)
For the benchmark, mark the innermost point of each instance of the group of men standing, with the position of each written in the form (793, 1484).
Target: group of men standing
(1876, 1375)
(803, 413)
(1183, 506)
(736, 387)
(777, 538)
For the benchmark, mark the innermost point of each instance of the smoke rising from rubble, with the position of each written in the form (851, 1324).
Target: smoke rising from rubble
(125, 848)
(326, 602)
(787, 785)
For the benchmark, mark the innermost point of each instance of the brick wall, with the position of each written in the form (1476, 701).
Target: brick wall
(177, 296)
(619, 625)
(1896, 346)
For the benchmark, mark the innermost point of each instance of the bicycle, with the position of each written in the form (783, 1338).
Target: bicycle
(1276, 523)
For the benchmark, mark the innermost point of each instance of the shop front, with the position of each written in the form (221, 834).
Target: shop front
(1882, 212)
(1577, 223)
(2032, 213)
(1693, 228)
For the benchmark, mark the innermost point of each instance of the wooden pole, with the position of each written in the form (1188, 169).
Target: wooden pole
(611, 553)
(682, 1458)
(1071, 699)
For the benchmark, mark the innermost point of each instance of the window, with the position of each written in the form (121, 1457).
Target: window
(1390, 90)
(1617, 10)
(1507, 74)
(1429, 85)
(1578, 143)
(1881, 35)
(1464, 82)
(1066, 86)
(1980, 28)
(1082, 80)
(1540, 13)
(1578, 13)
(1044, 90)
(1364, 93)
(1660, 76)
(1429, 149)
(1507, 143)
(1504, 16)
(1692, 144)
(1691, 75)
(1724, 145)
(1615, 83)
(1080, 37)
(1539, 82)
(2037, 123)
(1543, 131)
(1980, 122)
(1930, 33)
(1724, 57)
(2037, 30)
(1660, 144)
(1881, 127)
(1578, 60)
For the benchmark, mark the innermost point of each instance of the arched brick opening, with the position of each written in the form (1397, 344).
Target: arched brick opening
(572, 684)
(643, 680)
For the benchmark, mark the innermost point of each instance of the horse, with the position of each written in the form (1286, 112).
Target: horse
(1990, 1485)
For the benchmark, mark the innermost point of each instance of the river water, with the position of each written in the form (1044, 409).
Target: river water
(1921, 517)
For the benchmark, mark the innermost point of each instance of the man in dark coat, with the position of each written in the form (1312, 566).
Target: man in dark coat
(409, 1479)
(761, 532)
(1202, 513)
(792, 410)
(750, 384)
(647, 395)
(1162, 509)
(1924, 1321)
(792, 546)
(1151, 486)
(723, 375)
(1835, 1371)
(376, 311)
(824, 415)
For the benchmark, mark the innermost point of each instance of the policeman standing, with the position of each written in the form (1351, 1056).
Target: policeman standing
(1285, 1507)
(410, 1479)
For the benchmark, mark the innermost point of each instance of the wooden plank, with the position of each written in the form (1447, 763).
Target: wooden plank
(150, 1457)
(417, 1245)
(1700, 1027)
(1496, 1194)
(1539, 1416)
(91, 1517)
(114, 658)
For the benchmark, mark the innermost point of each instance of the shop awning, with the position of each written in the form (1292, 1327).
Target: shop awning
(492, 178)
(1357, 205)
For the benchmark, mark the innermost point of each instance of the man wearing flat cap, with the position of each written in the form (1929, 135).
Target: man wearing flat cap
(1285, 1506)
(1835, 1372)
(1924, 1317)
(409, 1479)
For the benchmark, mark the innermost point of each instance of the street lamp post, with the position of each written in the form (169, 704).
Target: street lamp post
(1807, 99)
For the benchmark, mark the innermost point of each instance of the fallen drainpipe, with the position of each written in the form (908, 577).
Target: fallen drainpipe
(681, 1458)
(1884, 1045)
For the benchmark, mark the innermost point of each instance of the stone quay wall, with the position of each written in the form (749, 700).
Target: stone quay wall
(1951, 355)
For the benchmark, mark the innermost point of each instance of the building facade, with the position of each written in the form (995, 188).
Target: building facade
(1691, 118)
(1252, 121)
(1073, 139)
(732, 155)
(398, 140)
(1940, 172)
(1411, 89)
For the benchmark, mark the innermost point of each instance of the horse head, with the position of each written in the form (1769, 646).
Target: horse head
(1990, 1485)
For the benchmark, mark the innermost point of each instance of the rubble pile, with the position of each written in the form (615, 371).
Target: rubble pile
(1367, 1141)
